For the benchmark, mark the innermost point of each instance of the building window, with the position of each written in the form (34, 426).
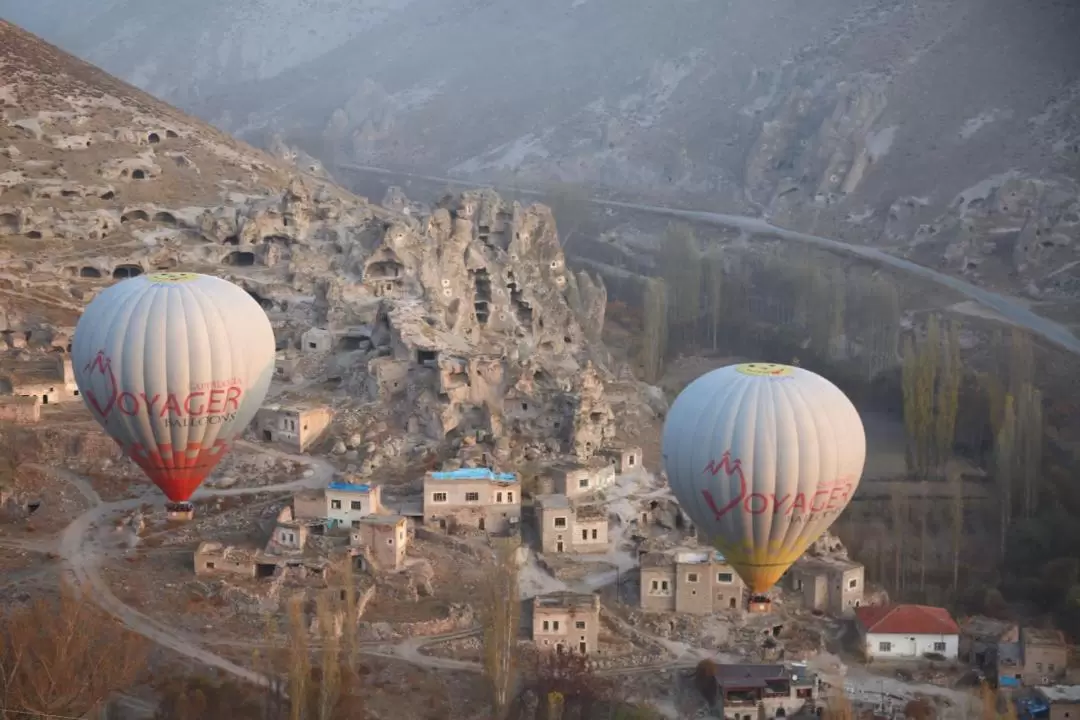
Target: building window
(583, 483)
(546, 626)
(1038, 666)
(884, 647)
(595, 534)
(631, 460)
(724, 577)
(498, 497)
(335, 504)
(209, 566)
(438, 497)
(939, 647)
(1050, 667)
(356, 505)
(691, 577)
(472, 497)
(852, 583)
(356, 524)
(560, 522)
(584, 534)
(555, 625)
(389, 541)
(580, 624)
(509, 497)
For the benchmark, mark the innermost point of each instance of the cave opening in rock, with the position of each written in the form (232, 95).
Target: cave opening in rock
(132, 215)
(231, 240)
(264, 303)
(427, 358)
(165, 218)
(153, 138)
(89, 272)
(240, 259)
(171, 134)
(34, 234)
(383, 269)
(107, 195)
(8, 221)
(122, 272)
(482, 311)
(138, 174)
(482, 283)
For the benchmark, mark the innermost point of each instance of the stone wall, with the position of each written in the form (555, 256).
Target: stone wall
(20, 410)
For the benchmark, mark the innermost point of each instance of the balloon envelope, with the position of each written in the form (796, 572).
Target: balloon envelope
(763, 458)
(174, 366)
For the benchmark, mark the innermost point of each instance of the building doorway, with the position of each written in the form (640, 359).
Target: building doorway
(481, 523)
(583, 648)
(268, 436)
(558, 547)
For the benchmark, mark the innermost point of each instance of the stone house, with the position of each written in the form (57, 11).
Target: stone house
(347, 503)
(310, 504)
(474, 497)
(1063, 701)
(385, 539)
(566, 621)
(50, 379)
(699, 582)
(1043, 656)
(564, 527)
(296, 427)
(577, 479)
(832, 585)
(20, 409)
(778, 690)
(623, 458)
(317, 340)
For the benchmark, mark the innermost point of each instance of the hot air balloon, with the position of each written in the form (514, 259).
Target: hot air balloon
(763, 458)
(174, 366)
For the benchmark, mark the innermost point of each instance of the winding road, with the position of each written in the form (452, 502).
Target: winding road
(83, 560)
(1010, 309)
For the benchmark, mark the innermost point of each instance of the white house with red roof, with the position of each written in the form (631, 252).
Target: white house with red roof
(907, 631)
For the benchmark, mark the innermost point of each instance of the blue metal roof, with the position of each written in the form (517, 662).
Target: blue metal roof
(475, 474)
(348, 487)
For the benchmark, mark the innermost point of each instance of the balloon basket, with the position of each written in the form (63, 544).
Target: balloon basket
(181, 512)
(760, 604)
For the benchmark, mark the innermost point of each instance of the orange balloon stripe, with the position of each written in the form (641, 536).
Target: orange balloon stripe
(178, 474)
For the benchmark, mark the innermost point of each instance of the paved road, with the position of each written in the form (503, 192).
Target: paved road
(1009, 309)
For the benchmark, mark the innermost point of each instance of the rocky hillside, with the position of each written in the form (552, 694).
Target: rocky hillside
(436, 318)
(869, 120)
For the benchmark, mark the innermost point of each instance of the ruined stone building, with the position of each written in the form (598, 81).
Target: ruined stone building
(566, 621)
(385, 538)
(623, 458)
(20, 409)
(834, 585)
(49, 378)
(574, 479)
(294, 426)
(691, 581)
(348, 502)
(474, 497)
(570, 528)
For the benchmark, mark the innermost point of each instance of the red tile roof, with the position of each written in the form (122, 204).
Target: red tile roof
(907, 620)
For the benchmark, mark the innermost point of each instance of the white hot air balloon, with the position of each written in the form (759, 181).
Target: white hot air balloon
(763, 458)
(174, 366)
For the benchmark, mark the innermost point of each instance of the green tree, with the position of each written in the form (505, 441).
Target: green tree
(570, 204)
(681, 268)
(1004, 463)
(501, 614)
(714, 295)
(654, 340)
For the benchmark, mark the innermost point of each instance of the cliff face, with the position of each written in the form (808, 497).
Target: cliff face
(460, 321)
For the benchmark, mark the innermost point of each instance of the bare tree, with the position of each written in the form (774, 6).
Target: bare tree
(566, 685)
(64, 656)
(654, 340)
(502, 613)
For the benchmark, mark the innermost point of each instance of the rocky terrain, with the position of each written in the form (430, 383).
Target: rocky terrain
(459, 325)
(947, 131)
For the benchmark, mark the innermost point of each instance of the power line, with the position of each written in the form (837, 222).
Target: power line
(27, 713)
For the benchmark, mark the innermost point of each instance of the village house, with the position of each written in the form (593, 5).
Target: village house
(473, 497)
(833, 585)
(906, 631)
(385, 538)
(570, 528)
(699, 582)
(1062, 701)
(566, 621)
(980, 637)
(317, 340)
(576, 479)
(296, 427)
(1031, 656)
(214, 558)
(49, 378)
(623, 458)
(310, 504)
(779, 690)
(348, 502)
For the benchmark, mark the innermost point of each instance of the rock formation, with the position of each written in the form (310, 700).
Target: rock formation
(459, 323)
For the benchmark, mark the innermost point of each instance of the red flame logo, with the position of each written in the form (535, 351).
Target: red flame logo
(731, 468)
(101, 364)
